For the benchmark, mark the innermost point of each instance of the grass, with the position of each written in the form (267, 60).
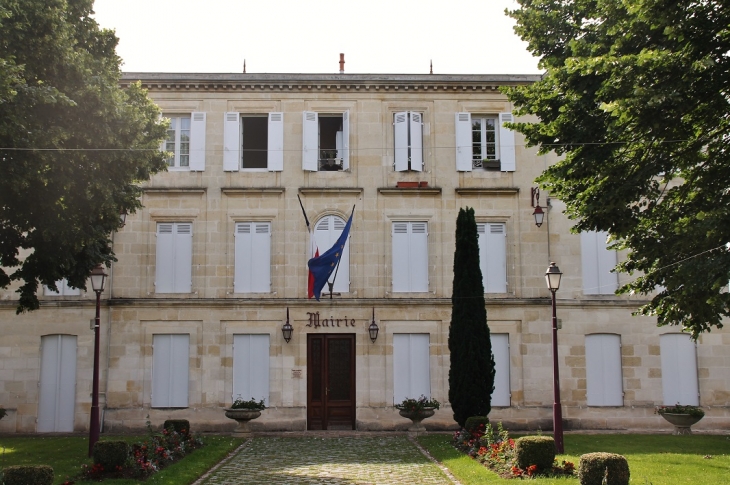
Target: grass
(67, 454)
(653, 459)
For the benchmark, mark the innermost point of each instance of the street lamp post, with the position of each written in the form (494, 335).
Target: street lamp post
(98, 276)
(552, 277)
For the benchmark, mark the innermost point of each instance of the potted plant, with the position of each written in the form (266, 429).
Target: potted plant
(682, 417)
(242, 412)
(417, 410)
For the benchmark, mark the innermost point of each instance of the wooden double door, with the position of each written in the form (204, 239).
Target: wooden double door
(330, 381)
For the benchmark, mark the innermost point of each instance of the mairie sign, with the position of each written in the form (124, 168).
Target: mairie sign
(315, 322)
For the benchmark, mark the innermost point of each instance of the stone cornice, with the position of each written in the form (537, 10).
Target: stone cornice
(236, 82)
(329, 190)
(418, 191)
(487, 190)
(253, 190)
(173, 190)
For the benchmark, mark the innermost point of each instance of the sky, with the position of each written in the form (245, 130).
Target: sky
(294, 36)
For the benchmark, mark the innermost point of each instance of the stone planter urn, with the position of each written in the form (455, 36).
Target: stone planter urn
(416, 418)
(681, 422)
(242, 417)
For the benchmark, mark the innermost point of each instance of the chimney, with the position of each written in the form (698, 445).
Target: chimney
(342, 63)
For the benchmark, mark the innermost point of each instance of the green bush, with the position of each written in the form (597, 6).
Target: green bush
(535, 450)
(181, 426)
(594, 467)
(472, 423)
(110, 454)
(28, 475)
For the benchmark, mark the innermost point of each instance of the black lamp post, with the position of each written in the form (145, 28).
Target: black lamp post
(552, 277)
(98, 276)
(287, 329)
(373, 329)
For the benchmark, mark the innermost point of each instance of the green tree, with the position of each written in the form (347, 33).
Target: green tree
(73, 145)
(471, 375)
(635, 98)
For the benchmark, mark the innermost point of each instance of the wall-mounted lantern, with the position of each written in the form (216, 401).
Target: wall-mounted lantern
(538, 213)
(287, 329)
(373, 329)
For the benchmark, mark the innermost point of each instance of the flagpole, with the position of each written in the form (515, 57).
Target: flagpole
(337, 268)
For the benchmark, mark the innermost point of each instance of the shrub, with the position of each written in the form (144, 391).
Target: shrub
(251, 404)
(110, 454)
(594, 467)
(28, 475)
(535, 450)
(181, 426)
(3, 412)
(473, 423)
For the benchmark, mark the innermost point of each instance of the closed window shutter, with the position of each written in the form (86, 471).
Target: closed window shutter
(411, 366)
(170, 370)
(275, 153)
(400, 134)
(493, 257)
(197, 141)
(345, 140)
(251, 367)
(604, 382)
(500, 350)
(679, 370)
(261, 259)
(165, 259)
(183, 251)
(231, 141)
(462, 125)
(242, 256)
(506, 144)
(419, 257)
(597, 262)
(57, 384)
(310, 141)
(416, 136)
(608, 281)
(401, 280)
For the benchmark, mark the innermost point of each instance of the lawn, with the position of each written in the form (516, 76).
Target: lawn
(653, 459)
(67, 454)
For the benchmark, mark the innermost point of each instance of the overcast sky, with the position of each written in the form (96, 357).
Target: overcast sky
(288, 36)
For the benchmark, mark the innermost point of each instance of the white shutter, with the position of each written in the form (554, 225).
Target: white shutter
(197, 141)
(401, 281)
(604, 383)
(493, 257)
(416, 135)
(170, 370)
(418, 256)
(242, 256)
(679, 369)
(589, 262)
(231, 141)
(608, 281)
(411, 366)
(500, 350)
(506, 144)
(345, 140)
(251, 367)
(164, 262)
(310, 141)
(400, 136)
(462, 125)
(261, 258)
(275, 153)
(57, 386)
(183, 254)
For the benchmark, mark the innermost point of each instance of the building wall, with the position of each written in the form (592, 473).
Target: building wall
(211, 313)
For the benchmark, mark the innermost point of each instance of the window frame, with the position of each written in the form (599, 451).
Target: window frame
(63, 289)
(603, 355)
(408, 147)
(492, 270)
(597, 261)
(333, 233)
(176, 119)
(409, 269)
(259, 257)
(233, 149)
(410, 360)
(178, 252)
(312, 130)
(504, 140)
(171, 374)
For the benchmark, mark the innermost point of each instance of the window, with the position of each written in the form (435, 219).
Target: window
(501, 396)
(597, 262)
(411, 366)
(483, 142)
(410, 257)
(173, 272)
(253, 142)
(63, 289)
(186, 141)
(493, 257)
(325, 141)
(251, 367)
(679, 369)
(57, 386)
(170, 369)
(253, 257)
(326, 232)
(408, 139)
(604, 382)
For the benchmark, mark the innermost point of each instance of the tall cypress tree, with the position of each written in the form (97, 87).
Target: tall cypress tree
(471, 376)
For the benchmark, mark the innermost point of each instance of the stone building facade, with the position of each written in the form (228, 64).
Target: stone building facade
(209, 269)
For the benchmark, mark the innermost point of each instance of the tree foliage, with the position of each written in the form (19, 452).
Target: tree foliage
(73, 145)
(471, 375)
(635, 97)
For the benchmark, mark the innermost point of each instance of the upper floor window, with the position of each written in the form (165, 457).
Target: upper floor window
(410, 257)
(408, 141)
(326, 233)
(63, 289)
(186, 141)
(483, 143)
(325, 141)
(252, 257)
(252, 142)
(173, 272)
(493, 256)
(597, 262)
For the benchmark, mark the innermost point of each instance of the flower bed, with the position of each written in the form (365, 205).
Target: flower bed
(496, 450)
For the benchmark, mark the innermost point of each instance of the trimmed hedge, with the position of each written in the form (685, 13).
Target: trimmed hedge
(181, 426)
(110, 454)
(28, 475)
(595, 466)
(472, 423)
(535, 450)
